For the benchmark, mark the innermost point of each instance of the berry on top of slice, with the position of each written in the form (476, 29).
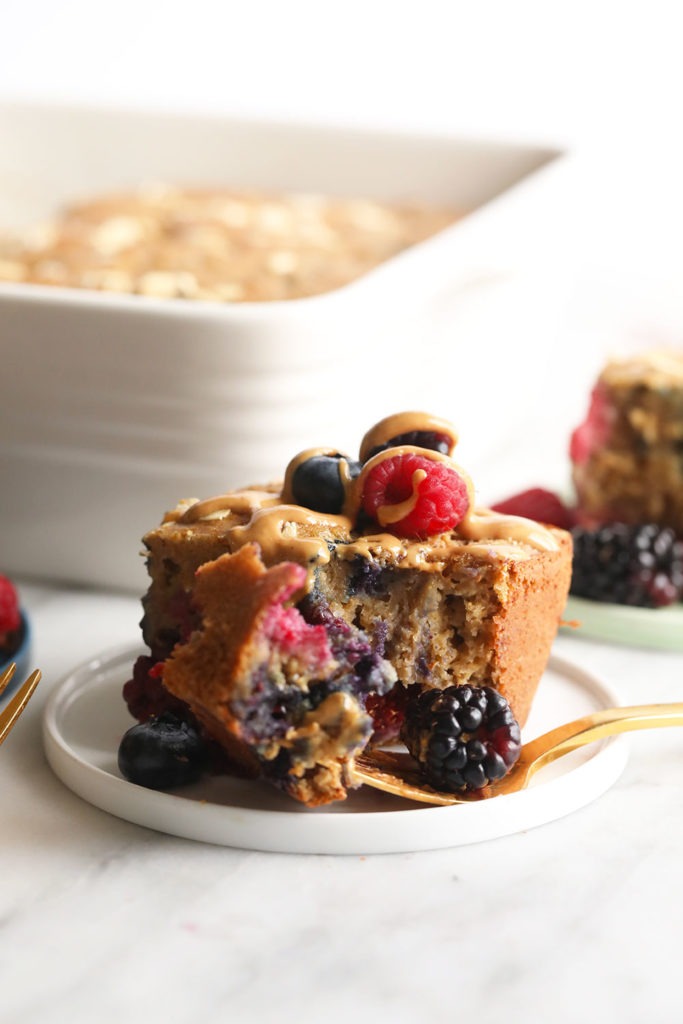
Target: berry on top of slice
(539, 504)
(414, 428)
(432, 440)
(10, 615)
(413, 495)
(318, 480)
(463, 737)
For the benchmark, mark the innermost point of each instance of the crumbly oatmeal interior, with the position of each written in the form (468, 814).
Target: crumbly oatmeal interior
(216, 244)
(452, 611)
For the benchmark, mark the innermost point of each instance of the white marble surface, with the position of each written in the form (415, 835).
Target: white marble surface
(103, 920)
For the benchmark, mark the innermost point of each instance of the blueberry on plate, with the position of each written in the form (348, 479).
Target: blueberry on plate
(162, 753)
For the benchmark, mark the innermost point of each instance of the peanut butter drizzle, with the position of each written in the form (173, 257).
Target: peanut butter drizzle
(274, 526)
(274, 530)
(388, 514)
(337, 722)
(485, 525)
(241, 503)
(429, 555)
(285, 530)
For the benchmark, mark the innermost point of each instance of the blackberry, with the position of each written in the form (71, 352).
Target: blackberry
(388, 714)
(463, 737)
(633, 565)
(420, 439)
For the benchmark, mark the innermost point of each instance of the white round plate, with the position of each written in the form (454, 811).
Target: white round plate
(86, 717)
(661, 628)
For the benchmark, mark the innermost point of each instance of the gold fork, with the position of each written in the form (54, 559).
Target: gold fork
(398, 773)
(10, 714)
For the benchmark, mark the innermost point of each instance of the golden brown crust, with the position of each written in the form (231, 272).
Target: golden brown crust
(234, 592)
(525, 625)
(222, 665)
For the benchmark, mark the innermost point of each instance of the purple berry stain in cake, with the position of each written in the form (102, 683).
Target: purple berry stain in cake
(367, 577)
(309, 641)
(146, 695)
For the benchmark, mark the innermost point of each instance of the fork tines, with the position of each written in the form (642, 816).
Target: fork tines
(10, 714)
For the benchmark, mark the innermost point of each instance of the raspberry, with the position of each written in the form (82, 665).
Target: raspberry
(594, 431)
(145, 694)
(10, 616)
(286, 631)
(633, 565)
(539, 504)
(415, 496)
(463, 737)
(388, 713)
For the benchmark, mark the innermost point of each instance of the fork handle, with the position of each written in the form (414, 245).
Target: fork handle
(597, 726)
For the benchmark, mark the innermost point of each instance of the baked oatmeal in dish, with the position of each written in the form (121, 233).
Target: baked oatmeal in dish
(291, 625)
(219, 245)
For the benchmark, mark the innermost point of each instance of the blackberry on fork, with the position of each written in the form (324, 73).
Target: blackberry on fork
(463, 737)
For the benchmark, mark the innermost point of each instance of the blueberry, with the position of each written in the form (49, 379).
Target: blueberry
(318, 484)
(162, 753)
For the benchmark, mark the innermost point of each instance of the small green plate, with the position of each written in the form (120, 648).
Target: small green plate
(661, 628)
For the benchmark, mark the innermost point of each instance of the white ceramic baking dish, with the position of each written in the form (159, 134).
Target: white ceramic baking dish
(113, 407)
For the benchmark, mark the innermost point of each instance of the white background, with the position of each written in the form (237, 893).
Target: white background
(591, 72)
(602, 77)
